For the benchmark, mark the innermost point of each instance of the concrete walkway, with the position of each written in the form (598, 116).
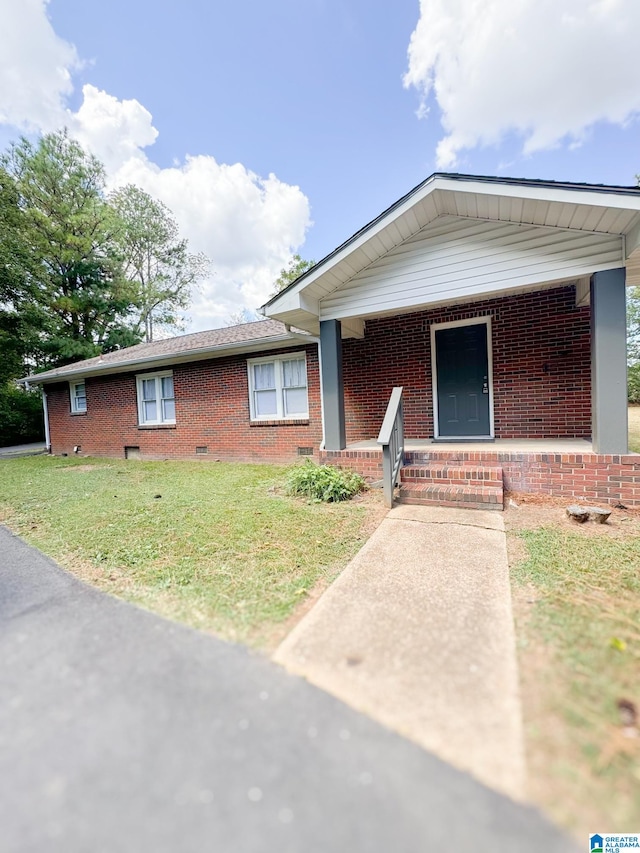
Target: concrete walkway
(417, 632)
(121, 732)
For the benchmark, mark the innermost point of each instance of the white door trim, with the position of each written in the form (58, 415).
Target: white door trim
(472, 321)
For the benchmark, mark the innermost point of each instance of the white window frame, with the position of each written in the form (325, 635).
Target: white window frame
(159, 421)
(278, 361)
(75, 408)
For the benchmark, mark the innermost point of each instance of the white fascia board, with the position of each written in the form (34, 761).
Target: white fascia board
(295, 300)
(564, 195)
(135, 364)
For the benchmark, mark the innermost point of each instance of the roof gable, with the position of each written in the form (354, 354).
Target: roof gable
(457, 260)
(587, 209)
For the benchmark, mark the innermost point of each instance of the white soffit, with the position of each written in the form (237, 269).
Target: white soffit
(455, 258)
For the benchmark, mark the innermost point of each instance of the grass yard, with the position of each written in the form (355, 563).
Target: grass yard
(576, 596)
(218, 546)
(634, 428)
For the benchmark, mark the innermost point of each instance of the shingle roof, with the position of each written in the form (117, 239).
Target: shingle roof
(245, 337)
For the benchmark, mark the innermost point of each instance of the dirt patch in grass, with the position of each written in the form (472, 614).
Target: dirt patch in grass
(576, 598)
(81, 468)
(531, 511)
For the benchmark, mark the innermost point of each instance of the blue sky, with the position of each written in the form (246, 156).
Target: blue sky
(281, 127)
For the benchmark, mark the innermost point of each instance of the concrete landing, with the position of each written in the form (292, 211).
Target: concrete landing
(417, 632)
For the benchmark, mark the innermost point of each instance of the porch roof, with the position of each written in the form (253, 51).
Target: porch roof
(461, 237)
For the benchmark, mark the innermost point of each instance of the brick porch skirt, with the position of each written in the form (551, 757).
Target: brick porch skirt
(587, 476)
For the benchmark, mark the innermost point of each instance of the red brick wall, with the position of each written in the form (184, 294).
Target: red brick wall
(592, 477)
(541, 367)
(212, 410)
(541, 374)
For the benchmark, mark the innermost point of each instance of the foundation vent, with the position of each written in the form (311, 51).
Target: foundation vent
(305, 451)
(201, 450)
(132, 453)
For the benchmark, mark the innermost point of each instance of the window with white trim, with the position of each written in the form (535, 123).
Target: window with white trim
(156, 401)
(278, 387)
(78, 394)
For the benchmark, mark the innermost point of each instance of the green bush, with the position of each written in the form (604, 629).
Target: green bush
(323, 482)
(633, 376)
(21, 419)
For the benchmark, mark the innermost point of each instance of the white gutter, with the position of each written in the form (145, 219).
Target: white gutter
(303, 336)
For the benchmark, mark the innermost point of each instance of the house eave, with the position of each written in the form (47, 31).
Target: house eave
(600, 209)
(139, 364)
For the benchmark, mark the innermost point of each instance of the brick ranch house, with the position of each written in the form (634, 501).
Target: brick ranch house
(496, 305)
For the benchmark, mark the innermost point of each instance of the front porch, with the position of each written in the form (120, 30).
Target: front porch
(496, 307)
(479, 473)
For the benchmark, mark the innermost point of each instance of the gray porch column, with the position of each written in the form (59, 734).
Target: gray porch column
(332, 388)
(609, 362)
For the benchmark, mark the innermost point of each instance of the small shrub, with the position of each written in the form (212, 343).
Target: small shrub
(633, 375)
(323, 482)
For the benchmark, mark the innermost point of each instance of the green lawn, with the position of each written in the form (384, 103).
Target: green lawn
(218, 546)
(634, 428)
(577, 595)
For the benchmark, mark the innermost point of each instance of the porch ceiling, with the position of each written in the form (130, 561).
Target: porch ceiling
(591, 215)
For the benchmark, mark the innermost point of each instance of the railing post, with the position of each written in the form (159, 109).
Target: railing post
(387, 476)
(391, 438)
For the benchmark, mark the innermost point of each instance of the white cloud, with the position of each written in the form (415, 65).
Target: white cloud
(115, 131)
(546, 69)
(248, 225)
(35, 67)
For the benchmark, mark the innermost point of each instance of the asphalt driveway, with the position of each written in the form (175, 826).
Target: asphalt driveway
(120, 731)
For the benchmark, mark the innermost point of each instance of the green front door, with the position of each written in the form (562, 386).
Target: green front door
(462, 379)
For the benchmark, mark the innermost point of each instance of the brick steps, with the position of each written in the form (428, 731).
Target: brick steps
(466, 486)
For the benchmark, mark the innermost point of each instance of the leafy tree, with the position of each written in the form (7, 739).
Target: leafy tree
(14, 252)
(237, 318)
(633, 324)
(20, 410)
(21, 419)
(14, 255)
(156, 261)
(75, 296)
(291, 272)
(633, 343)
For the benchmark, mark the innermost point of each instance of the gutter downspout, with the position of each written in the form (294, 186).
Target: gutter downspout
(45, 409)
(315, 341)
